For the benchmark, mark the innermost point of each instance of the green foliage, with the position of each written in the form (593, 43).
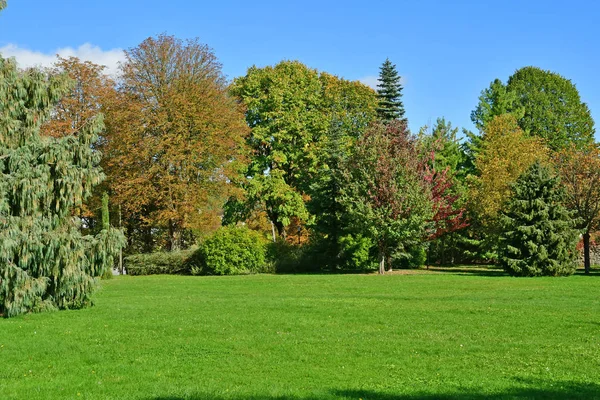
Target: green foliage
(389, 93)
(385, 193)
(538, 236)
(288, 258)
(230, 251)
(45, 261)
(290, 109)
(358, 253)
(171, 263)
(544, 103)
(415, 256)
(494, 101)
(269, 193)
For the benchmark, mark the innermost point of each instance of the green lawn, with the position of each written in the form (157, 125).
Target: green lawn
(432, 336)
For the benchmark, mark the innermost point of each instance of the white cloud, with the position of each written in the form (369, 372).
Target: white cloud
(28, 58)
(370, 81)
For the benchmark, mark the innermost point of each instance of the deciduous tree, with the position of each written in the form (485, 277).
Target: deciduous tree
(505, 153)
(290, 109)
(545, 105)
(174, 138)
(385, 193)
(580, 174)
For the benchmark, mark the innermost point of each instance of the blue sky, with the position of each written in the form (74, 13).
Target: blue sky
(446, 51)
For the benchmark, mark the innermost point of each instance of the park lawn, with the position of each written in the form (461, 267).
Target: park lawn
(312, 337)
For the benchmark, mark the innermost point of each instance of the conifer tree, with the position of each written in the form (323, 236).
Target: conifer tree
(538, 236)
(45, 262)
(389, 92)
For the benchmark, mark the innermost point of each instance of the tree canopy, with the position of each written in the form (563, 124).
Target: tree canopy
(290, 109)
(545, 105)
(174, 137)
(505, 152)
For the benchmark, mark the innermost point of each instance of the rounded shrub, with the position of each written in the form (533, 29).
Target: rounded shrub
(230, 251)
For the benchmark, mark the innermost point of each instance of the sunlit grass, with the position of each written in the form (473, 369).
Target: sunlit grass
(441, 335)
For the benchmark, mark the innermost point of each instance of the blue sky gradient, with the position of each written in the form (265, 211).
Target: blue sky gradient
(447, 52)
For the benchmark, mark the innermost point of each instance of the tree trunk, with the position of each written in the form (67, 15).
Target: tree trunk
(586, 252)
(381, 263)
(173, 237)
(273, 231)
(121, 249)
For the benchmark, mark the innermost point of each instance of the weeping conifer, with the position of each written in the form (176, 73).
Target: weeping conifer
(538, 236)
(45, 261)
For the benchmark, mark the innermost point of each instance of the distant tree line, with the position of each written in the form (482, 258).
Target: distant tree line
(162, 155)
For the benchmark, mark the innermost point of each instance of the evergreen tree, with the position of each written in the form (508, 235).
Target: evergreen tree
(45, 262)
(325, 203)
(538, 236)
(389, 92)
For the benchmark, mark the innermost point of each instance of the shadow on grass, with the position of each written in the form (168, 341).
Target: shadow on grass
(535, 390)
(465, 270)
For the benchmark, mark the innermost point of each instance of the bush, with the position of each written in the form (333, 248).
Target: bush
(288, 258)
(230, 251)
(414, 257)
(173, 263)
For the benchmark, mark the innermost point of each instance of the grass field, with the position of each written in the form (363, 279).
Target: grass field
(431, 336)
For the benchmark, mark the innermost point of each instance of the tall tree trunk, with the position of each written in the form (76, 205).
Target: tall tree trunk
(381, 263)
(586, 252)
(173, 236)
(121, 249)
(273, 231)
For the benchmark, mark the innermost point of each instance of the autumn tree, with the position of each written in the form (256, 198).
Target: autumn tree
(45, 261)
(90, 89)
(505, 153)
(545, 104)
(174, 137)
(444, 157)
(580, 174)
(290, 109)
(537, 230)
(385, 193)
(389, 94)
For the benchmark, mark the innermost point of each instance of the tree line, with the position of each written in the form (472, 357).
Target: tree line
(160, 156)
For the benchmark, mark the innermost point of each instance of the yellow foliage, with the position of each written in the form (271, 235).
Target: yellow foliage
(505, 153)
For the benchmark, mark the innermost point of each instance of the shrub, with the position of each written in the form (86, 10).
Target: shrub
(414, 257)
(357, 253)
(230, 251)
(289, 258)
(173, 263)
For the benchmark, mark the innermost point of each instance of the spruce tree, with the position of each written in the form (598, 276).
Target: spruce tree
(389, 92)
(45, 261)
(538, 236)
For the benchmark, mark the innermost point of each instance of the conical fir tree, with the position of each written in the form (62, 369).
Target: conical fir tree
(389, 92)
(45, 262)
(538, 236)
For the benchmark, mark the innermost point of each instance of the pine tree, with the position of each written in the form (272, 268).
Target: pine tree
(389, 93)
(45, 262)
(538, 236)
